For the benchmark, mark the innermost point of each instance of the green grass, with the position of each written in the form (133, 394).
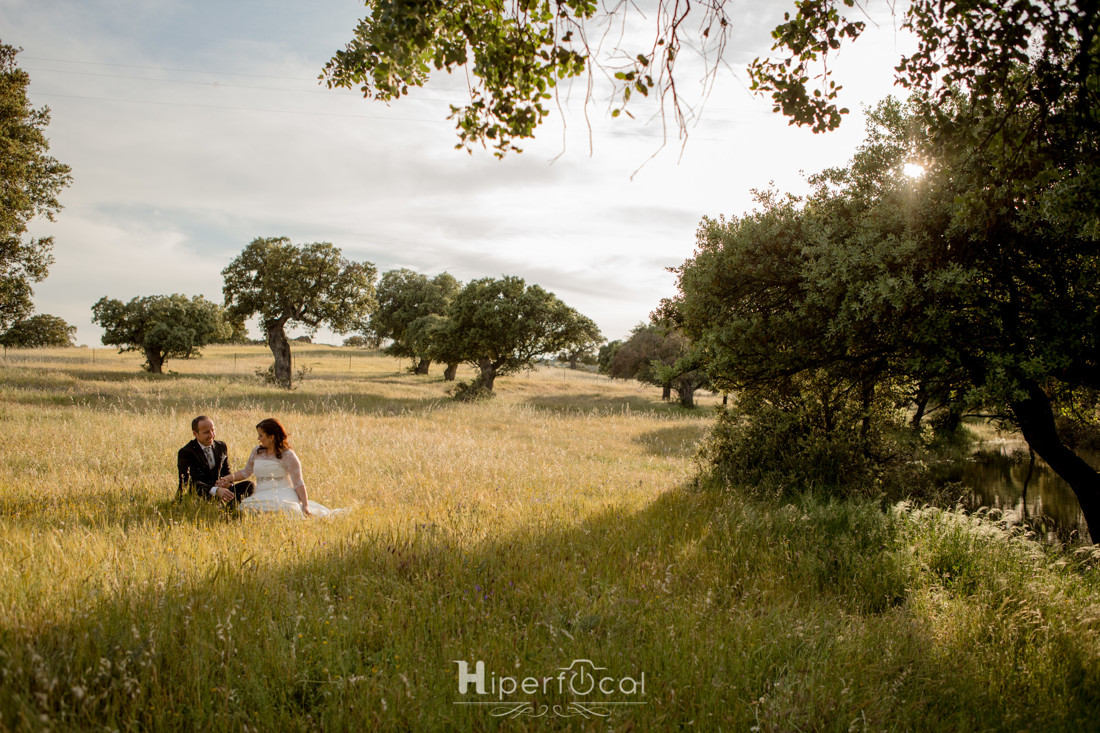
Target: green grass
(560, 521)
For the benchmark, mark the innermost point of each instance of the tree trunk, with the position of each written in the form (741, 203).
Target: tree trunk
(280, 349)
(687, 394)
(422, 367)
(866, 396)
(922, 405)
(450, 371)
(488, 373)
(573, 359)
(666, 392)
(954, 419)
(1036, 419)
(155, 360)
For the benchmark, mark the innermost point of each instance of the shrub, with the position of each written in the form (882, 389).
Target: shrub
(267, 376)
(473, 391)
(782, 451)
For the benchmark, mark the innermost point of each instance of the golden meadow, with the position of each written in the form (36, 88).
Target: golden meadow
(562, 521)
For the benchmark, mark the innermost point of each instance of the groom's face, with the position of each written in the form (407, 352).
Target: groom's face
(205, 432)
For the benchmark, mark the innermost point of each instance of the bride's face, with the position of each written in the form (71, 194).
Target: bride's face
(266, 441)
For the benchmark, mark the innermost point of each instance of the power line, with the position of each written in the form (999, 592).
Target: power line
(163, 68)
(217, 84)
(175, 81)
(299, 112)
(460, 91)
(228, 108)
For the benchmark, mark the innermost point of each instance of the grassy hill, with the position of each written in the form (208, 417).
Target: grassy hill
(555, 534)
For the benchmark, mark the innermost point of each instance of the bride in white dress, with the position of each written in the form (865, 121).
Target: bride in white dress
(279, 484)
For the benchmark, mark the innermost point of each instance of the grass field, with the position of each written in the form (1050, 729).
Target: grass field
(560, 522)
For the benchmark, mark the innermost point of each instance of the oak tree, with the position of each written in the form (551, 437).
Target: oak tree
(650, 346)
(582, 338)
(975, 280)
(501, 326)
(39, 331)
(310, 285)
(403, 297)
(162, 327)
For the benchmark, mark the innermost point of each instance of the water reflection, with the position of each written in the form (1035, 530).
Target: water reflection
(996, 474)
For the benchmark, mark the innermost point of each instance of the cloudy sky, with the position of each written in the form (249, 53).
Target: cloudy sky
(194, 126)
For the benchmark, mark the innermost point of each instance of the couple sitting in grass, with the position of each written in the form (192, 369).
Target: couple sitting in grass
(204, 468)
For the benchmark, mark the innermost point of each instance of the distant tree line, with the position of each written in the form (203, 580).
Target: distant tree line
(497, 325)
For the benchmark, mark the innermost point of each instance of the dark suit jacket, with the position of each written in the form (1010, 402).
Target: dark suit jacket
(195, 475)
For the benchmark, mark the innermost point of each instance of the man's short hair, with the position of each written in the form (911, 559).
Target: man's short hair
(196, 421)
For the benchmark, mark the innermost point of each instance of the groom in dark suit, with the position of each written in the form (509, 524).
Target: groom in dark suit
(203, 461)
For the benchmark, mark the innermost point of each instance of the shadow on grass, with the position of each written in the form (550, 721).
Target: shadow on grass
(36, 379)
(732, 612)
(114, 509)
(43, 379)
(601, 403)
(677, 440)
(218, 391)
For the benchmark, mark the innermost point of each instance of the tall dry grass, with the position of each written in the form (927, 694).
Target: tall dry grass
(557, 523)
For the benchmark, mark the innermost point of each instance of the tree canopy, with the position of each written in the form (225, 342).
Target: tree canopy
(403, 297)
(515, 53)
(500, 326)
(309, 285)
(659, 353)
(582, 337)
(161, 326)
(435, 338)
(1010, 97)
(606, 356)
(977, 46)
(39, 331)
(32, 181)
(970, 282)
(634, 358)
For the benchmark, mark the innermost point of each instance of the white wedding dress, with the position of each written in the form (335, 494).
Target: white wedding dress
(276, 480)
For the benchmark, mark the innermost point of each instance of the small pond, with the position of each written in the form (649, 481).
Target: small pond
(995, 477)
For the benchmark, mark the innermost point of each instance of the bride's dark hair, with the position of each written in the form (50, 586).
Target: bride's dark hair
(271, 427)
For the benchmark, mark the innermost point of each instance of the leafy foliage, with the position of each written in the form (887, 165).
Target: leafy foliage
(515, 53)
(968, 282)
(971, 44)
(686, 374)
(308, 285)
(404, 297)
(358, 341)
(650, 346)
(606, 356)
(434, 337)
(39, 331)
(582, 336)
(502, 325)
(161, 326)
(32, 181)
